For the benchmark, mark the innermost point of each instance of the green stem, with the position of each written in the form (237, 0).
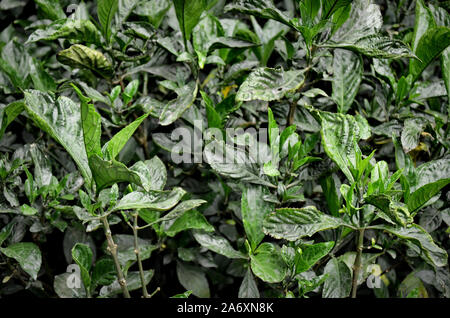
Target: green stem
(357, 266)
(138, 256)
(112, 247)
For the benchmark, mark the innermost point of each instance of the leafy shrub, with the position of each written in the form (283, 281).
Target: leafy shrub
(225, 148)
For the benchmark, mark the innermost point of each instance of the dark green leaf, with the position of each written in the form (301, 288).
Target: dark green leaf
(27, 255)
(80, 56)
(292, 224)
(339, 281)
(269, 84)
(217, 244)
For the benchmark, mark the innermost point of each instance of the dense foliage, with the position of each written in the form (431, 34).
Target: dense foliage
(332, 117)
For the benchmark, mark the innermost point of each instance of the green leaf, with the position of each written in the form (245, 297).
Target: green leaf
(28, 210)
(331, 195)
(112, 148)
(360, 33)
(152, 172)
(422, 195)
(27, 255)
(51, 8)
(15, 63)
(347, 75)
(194, 279)
(108, 172)
(213, 117)
(71, 29)
(339, 281)
(129, 91)
(308, 255)
(269, 84)
(133, 283)
(9, 113)
(248, 288)
(6, 232)
(431, 177)
(329, 7)
(188, 13)
(176, 107)
(308, 285)
(217, 244)
(433, 254)
(268, 264)
(61, 119)
(376, 46)
(423, 21)
(92, 125)
(126, 249)
(233, 163)
(178, 211)
(82, 255)
(192, 219)
(106, 9)
(80, 56)
(156, 200)
(104, 272)
(186, 294)
(412, 129)
(154, 10)
(340, 134)
(254, 209)
(430, 46)
(204, 35)
(292, 224)
(260, 8)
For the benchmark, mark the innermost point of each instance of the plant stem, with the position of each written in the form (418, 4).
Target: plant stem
(357, 266)
(138, 256)
(112, 247)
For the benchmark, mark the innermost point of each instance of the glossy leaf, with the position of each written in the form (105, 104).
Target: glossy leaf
(156, 200)
(309, 255)
(269, 84)
(106, 9)
(217, 244)
(292, 224)
(51, 8)
(80, 56)
(112, 148)
(27, 255)
(260, 8)
(267, 263)
(192, 278)
(340, 134)
(254, 209)
(108, 172)
(152, 172)
(82, 255)
(188, 13)
(339, 281)
(61, 119)
(430, 46)
(192, 219)
(176, 107)
(412, 129)
(133, 282)
(233, 163)
(82, 30)
(248, 288)
(347, 75)
(9, 113)
(432, 253)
